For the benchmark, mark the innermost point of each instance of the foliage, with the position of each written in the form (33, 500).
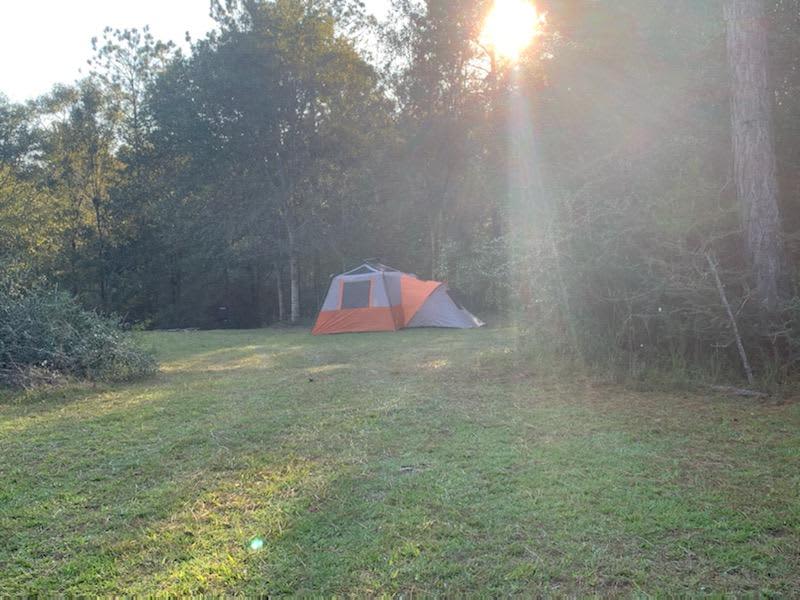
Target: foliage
(622, 230)
(46, 335)
(30, 228)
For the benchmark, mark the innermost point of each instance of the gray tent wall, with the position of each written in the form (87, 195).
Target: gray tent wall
(439, 310)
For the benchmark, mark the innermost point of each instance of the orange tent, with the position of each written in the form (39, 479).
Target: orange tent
(374, 297)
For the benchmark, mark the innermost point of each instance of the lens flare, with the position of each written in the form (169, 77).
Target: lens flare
(510, 27)
(256, 543)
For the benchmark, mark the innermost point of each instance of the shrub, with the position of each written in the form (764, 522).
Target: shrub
(45, 335)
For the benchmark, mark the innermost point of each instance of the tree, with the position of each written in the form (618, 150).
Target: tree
(277, 100)
(440, 78)
(18, 138)
(79, 150)
(753, 147)
(126, 65)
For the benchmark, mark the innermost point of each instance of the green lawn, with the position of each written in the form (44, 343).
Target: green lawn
(417, 462)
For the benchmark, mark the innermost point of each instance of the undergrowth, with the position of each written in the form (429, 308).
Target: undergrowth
(46, 336)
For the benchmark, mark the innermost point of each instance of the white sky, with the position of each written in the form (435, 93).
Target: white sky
(43, 42)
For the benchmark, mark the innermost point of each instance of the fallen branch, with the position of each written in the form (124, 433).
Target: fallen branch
(729, 389)
(742, 354)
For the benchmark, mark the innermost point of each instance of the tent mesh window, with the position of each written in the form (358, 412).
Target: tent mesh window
(355, 294)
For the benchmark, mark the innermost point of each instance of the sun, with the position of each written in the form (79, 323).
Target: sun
(510, 27)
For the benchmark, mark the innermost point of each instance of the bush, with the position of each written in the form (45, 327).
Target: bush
(45, 336)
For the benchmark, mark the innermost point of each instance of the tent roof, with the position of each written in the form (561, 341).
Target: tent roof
(370, 266)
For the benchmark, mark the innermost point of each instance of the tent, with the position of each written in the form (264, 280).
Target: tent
(374, 297)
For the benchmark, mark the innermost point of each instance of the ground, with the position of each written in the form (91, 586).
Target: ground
(428, 462)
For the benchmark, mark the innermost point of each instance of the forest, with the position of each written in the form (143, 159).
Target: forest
(625, 191)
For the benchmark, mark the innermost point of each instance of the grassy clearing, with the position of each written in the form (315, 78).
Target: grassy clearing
(423, 461)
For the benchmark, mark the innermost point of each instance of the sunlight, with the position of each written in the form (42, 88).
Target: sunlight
(510, 27)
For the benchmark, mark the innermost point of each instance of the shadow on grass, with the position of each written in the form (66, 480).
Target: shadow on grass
(480, 510)
(85, 482)
(78, 494)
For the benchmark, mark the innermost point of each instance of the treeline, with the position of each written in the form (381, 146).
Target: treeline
(588, 191)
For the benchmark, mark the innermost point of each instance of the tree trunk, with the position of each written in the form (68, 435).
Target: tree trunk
(753, 150)
(255, 293)
(294, 279)
(175, 282)
(101, 255)
(73, 263)
(433, 249)
(294, 289)
(315, 279)
(279, 290)
(500, 133)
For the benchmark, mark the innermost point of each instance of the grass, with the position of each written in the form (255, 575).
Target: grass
(425, 462)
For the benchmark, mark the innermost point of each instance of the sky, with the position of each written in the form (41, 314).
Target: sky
(43, 42)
